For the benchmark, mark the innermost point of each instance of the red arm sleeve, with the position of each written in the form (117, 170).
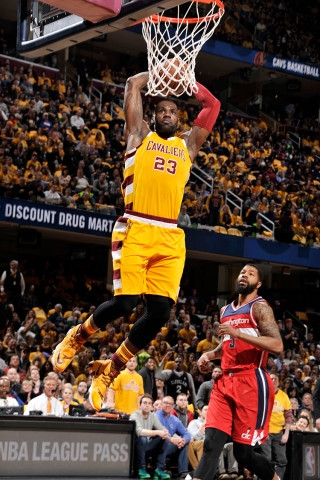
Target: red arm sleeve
(288, 416)
(210, 108)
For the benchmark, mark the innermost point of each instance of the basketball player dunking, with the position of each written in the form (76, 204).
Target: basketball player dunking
(242, 397)
(148, 249)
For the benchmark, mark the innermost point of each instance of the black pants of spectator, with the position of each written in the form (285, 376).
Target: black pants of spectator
(275, 453)
(214, 218)
(76, 131)
(15, 299)
(284, 235)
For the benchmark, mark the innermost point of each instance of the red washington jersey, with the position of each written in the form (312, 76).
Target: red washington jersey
(237, 353)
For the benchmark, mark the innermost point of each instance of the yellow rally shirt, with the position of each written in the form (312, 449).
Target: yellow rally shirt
(277, 420)
(127, 387)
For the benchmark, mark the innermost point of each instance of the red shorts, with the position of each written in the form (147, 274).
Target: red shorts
(241, 405)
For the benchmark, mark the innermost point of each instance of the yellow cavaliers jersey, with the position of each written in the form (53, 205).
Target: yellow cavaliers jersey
(155, 176)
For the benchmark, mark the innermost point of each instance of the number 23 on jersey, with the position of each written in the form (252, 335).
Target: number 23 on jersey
(170, 166)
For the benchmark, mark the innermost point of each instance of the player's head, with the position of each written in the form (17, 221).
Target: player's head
(249, 279)
(166, 118)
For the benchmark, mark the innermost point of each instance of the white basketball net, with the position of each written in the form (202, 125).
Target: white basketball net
(179, 39)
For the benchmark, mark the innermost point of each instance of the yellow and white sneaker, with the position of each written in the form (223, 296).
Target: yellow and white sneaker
(104, 372)
(66, 350)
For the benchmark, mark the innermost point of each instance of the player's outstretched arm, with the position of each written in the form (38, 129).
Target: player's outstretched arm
(204, 122)
(133, 109)
(270, 339)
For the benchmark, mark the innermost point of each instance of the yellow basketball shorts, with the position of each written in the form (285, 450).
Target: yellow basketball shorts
(147, 258)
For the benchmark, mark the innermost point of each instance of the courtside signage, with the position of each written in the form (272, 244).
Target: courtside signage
(53, 453)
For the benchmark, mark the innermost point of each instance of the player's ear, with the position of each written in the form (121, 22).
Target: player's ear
(259, 285)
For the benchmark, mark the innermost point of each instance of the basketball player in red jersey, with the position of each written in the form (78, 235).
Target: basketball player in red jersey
(148, 248)
(242, 398)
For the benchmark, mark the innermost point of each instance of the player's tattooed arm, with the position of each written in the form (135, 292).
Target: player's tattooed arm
(263, 314)
(269, 339)
(133, 109)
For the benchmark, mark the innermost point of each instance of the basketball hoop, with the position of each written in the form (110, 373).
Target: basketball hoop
(177, 41)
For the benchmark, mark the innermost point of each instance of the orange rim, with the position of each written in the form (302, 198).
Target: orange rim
(160, 18)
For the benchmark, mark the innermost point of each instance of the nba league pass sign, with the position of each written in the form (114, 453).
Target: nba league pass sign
(55, 453)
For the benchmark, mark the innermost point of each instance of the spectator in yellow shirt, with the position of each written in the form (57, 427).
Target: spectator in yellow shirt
(258, 187)
(240, 165)
(43, 79)
(67, 395)
(187, 333)
(236, 220)
(225, 182)
(313, 228)
(210, 343)
(247, 43)
(80, 392)
(274, 449)
(5, 177)
(262, 125)
(156, 342)
(34, 162)
(127, 389)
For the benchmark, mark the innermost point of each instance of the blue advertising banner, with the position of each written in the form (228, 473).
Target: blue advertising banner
(59, 218)
(256, 57)
(261, 59)
(83, 222)
(251, 248)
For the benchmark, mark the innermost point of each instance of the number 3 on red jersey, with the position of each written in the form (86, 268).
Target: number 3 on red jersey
(160, 163)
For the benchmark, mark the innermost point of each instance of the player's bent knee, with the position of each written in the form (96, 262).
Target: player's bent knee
(157, 314)
(113, 309)
(242, 453)
(159, 306)
(214, 441)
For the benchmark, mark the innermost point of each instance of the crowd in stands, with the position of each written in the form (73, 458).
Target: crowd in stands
(58, 147)
(165, 373)
(285, 27)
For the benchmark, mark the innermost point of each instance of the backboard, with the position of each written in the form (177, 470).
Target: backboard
(44, 29)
